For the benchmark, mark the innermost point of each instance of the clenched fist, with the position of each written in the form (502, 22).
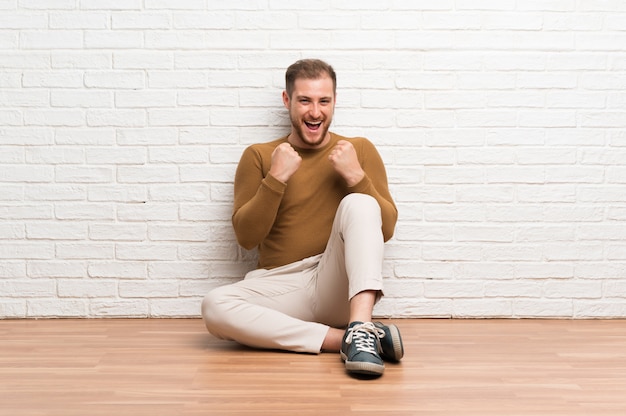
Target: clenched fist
(344, 159)
(285, 162)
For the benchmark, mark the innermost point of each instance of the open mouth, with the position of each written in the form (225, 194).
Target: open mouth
(313, 126)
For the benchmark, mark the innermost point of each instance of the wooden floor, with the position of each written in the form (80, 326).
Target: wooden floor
(174, 367)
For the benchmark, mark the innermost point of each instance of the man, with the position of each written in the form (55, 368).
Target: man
(318, 207)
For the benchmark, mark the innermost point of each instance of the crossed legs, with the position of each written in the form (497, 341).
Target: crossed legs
(301, 306)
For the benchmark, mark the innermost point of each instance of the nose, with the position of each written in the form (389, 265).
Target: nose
(315, 110)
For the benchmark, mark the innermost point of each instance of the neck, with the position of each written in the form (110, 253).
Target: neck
(295, 140)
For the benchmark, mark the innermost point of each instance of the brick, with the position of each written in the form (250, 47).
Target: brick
(453, 289)
(115, 156)
(147, 174)
(181, 308)
(441, 308)
(570, 252)
(601, 195)
(12, 269)
(136, 308)
(86, 288)
(118, 193)
(26, 174)
(425, 233)
(176, 40)
(19, 60)
(143, 252)
(147, 212)
(219, 20)
(484, 233)
(175, 270)
(115, 79)
(24, 99)
(222, 97)
(140, 20)
(490, 193)
(163, 136)
(54, 192)
(180, 154)
(142, 60)
(551, 270)
(52, 4)
(56, 308)
(573, 289)
(11, 308)
(116, 118)
(547, 193)
(84, 211)
(11, 117)
(83, 174)
(83, 99)
(78, 20)
(81, 59)
(80, 251)
(178, 193)
(455, 252)
(489, 271)
(54, 156)
(54, 117)
(185, 233)
(118, 269)
(29, 288)
(57, 269)
(178, 117)
(148, 289)
(500, 124)
(26, 212)
(59, 231)
(110, 5)
(118, 232)
(51, 39)
(540, 308)
(467, 308)
(91, 136)
(21, 21)
(204, 212)
(175, 4)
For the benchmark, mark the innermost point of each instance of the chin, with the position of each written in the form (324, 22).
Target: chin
(314, 140)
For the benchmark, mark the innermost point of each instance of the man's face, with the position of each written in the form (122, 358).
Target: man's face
(311, 107)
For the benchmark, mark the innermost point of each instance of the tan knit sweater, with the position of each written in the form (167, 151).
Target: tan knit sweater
(292, 221)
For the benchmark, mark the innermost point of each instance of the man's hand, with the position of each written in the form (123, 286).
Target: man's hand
(344, 159)
(285, 162)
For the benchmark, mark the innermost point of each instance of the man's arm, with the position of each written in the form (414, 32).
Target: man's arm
(256, 200)
(365, 173)
(258, 195)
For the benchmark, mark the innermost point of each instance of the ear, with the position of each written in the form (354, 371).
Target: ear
(286, 100)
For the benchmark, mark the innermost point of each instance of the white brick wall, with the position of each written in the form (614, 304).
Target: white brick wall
(502, 123)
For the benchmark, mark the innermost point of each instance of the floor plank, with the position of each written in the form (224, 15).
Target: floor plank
(174, 367)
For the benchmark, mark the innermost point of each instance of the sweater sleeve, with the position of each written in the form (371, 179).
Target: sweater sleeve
(257, 197)
(374, 183)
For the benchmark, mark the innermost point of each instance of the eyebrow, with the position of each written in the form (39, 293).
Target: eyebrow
(309, 98)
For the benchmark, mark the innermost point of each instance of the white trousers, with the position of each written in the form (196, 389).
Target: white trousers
(292, 307)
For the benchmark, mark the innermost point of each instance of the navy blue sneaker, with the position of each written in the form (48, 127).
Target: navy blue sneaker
(391, 347)
(360, 349)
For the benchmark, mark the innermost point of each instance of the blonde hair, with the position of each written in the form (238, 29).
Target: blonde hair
(308, 69)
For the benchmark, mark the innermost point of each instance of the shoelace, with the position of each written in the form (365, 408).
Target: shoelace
(366, 337)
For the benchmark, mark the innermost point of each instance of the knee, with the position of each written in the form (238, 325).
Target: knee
(364, 206)
(358, 198)
(214, 311)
